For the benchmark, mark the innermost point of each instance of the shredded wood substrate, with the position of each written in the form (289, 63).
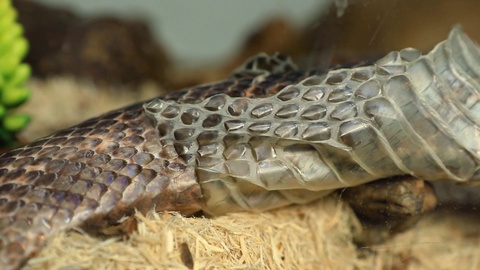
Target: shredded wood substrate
(313, 236)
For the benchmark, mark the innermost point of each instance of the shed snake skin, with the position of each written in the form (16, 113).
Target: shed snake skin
(268, 137)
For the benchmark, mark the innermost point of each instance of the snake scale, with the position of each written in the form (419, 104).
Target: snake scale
(267, 137)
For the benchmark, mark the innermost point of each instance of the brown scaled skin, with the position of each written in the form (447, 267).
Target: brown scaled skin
(101, 170)
(93, 173)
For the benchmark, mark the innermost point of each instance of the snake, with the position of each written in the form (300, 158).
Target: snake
(269, 136)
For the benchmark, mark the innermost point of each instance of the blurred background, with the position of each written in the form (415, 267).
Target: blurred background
(216, 33)
(197, 31)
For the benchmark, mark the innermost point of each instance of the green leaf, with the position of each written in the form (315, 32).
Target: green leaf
(13, 73)
(11, 97)
(4, 6)
(19, 76)
(10, 61)
(9, 36)
(3, 111)
(7, 19)
(15, 122)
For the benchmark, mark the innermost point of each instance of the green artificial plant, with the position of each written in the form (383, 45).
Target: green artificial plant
(13, 73)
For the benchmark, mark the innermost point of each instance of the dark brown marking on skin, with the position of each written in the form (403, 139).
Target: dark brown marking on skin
(186, 255)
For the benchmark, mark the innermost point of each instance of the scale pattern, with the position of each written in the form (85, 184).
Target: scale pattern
(406, 114)
(253, 142)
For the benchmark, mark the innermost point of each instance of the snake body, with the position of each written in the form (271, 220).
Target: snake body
(253, 142)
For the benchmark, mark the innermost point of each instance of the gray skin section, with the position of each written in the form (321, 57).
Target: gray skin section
(407, 114)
